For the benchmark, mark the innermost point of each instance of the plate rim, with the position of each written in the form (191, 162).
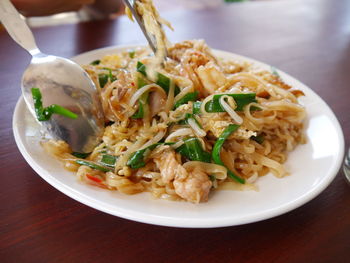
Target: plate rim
(186, 222)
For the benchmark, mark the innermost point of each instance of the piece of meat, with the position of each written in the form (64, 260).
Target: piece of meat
(211, 77)
(192, 186)
(195, 187)
(157, 102)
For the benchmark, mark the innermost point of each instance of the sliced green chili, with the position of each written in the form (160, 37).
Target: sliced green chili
(217, 150)
(93, 165)
(95, 62)
(192, 150)
(44, 114)
(192, 96)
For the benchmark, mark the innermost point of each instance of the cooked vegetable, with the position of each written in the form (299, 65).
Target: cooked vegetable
(197, 107)
(192, 96)
(162, 80)
(259, 138)
(140, 67)
(141, 82)
(192, 150)
(93, 178)
(241, 100)
(80, 155)
(103, 77)
(93, 165)
(44, 114)
(131, 53)
(138, 158)
(108, 160)
(189, 116)
(95, 62)
(217, 150)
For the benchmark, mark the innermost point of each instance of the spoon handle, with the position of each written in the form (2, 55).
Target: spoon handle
(17, 27)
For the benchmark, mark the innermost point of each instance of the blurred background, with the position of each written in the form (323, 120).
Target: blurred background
(46, 13)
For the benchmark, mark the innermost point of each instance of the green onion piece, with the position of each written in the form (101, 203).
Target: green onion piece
(192, 96)
(241, 100)
(197, 107)
(192, 150)
(217, 150)
(93, 165)
(95, 62)
(189, 116)
(274, 72)
(138, 158)
(102, 79)
(139, 113)
(131, 53)
(164, 82)
(259, 138)
(140, 67)
(57, 109)
(141, 82)
(108, 160)
(80, 155)
(44, 114)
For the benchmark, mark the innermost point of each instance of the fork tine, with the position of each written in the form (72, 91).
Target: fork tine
(131, 5)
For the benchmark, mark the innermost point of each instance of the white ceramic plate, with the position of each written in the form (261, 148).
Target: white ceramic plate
(312, 166)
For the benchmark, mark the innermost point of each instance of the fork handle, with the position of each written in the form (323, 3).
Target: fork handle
(17, 27)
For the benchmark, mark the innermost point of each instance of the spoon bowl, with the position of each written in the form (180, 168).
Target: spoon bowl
(60, 82)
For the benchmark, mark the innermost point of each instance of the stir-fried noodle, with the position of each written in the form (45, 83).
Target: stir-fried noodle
(194, 124)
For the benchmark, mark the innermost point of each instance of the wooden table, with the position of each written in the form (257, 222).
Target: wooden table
(309, 39)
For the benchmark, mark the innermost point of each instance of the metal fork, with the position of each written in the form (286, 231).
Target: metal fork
(131, 4)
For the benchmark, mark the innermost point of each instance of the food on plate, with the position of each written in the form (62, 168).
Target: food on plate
(187, 126)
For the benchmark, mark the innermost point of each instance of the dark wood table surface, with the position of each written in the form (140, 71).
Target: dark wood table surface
(309, 39)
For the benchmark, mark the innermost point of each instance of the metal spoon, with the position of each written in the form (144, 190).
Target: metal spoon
(61, 82)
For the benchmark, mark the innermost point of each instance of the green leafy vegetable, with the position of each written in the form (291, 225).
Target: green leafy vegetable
(192, 150)
(44, 114)
(192, 96)
(217, 150)
(95, 62)
(93, 165)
